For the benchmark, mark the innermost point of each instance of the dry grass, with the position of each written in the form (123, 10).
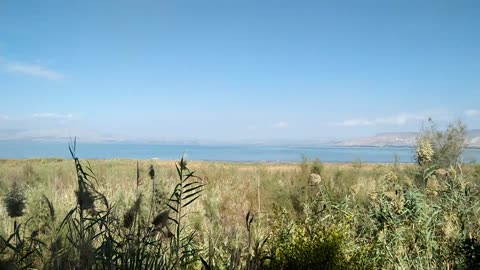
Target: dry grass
(234, 186)
(366, 207)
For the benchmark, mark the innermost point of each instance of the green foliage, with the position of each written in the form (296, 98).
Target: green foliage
(303, 250)
(312, 242)
(19, 250)
(423, 228)
(187, 191)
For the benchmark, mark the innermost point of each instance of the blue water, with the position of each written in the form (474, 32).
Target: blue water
(238, 153)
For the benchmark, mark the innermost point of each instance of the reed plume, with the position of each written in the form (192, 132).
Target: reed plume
(15, 201)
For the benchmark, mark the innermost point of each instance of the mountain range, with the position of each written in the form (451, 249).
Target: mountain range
(403, 139)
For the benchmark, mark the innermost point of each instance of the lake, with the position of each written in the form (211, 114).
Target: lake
(235, 153)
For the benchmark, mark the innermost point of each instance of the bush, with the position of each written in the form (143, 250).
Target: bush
(305, 244)
(303, 250)
(443, 148)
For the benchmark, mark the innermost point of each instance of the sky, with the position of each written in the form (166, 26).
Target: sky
(236, 71)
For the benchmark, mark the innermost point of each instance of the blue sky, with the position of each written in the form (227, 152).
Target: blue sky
(236, 70)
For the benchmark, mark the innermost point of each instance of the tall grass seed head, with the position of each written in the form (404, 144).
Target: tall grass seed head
(130, 215)
(433, 185)
(128, 219)
(183, 164)
(452, 172)
(408, 182)
(391, 178)
(85, 199)
(161, 219)
(15, 201)
(151, 172)
(315, 178)
(424, 151)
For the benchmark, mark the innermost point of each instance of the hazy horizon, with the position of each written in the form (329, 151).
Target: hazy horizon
(248, 71)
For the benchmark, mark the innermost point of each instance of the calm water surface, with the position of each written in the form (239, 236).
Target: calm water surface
(238, 153)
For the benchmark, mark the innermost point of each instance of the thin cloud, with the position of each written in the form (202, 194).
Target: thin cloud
(4, 117)
(355, 122)
(472, 112)
(281, 124)
(399, 119)
(35, 71)
(52, 116)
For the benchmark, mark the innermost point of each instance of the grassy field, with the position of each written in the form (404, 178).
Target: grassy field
(307, 215)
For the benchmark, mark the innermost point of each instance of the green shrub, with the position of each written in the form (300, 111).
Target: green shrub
(304, 250)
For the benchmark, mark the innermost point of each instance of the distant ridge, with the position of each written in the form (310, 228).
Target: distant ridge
(403, 139)
(399, 139)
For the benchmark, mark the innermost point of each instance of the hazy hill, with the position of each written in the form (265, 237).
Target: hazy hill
(403, 139)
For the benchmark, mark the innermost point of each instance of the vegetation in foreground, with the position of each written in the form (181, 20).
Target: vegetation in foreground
(120, 214)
